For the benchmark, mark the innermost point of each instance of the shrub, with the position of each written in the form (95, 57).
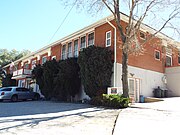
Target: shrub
(95, 69)
(67, 82)
(8, 81)
(114, 101)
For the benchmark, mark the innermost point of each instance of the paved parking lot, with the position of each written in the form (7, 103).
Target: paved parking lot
(50, 118)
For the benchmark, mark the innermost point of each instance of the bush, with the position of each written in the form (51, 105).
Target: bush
(67, 81)
(95, 70)
(114, 101)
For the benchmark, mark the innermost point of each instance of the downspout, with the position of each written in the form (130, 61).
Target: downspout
(114, 85)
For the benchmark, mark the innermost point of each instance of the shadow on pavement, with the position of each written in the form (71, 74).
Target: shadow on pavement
(31, 122)
(8, 109)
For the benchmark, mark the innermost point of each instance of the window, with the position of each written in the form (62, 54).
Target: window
(91, 39)
(157, 55)
(69, 52)
(53, 58)
(33, 64)
(168, 60)
(26, 66)
(44, 59)
(63, 52)
(83, 42)
(108, 38)
(179, 57)
(76, 48)
(142, 35)
(6, 89)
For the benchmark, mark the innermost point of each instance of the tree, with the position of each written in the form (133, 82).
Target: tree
(8, 81)
(138, 11)
(7, 56)
(50, 69)
(37, 74)
(96, 70)
(67, 82)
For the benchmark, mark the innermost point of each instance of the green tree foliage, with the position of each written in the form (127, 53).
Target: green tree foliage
(50, 70)
(8, 81)
(67, 81)
(96, 69)
(7, 56)
(37, 73)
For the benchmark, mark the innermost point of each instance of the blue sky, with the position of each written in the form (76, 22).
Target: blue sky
(30, 24)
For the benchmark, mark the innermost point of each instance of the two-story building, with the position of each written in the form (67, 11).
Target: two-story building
(157, 66)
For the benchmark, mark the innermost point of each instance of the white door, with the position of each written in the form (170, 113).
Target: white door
(134, 89)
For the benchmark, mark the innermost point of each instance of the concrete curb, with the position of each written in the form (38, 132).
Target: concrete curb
(116, 130)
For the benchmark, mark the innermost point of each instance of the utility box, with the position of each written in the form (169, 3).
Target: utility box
(115, 90)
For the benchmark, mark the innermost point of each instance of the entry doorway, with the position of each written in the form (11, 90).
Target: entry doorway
(134, 89)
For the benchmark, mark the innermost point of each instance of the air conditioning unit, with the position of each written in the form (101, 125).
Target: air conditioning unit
(115, 90)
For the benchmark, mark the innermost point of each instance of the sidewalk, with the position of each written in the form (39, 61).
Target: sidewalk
(150, 118)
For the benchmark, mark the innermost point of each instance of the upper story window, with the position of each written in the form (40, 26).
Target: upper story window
(63, 55)
(76, 48)
(83, 42)
(108, 38)
(69, 51)
(44, 59)
(179, 57)
(91, 39)
(157, 55)
(33, 64)
(26, 66)
(142, 35)
(53, 58)
(168, 60)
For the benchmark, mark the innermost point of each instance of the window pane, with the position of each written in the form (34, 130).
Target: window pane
(108, 38)
(108, 35)
(91, 39)
(168, 61)
(26, 65)
(157, 55)
(69, 50)
(64, 52)
(83, 42)
(44, 59)
(33, 64)
(76, 48)
(108, 42)
(5, 89)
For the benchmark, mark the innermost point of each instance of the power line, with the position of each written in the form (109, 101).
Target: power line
(63, 21)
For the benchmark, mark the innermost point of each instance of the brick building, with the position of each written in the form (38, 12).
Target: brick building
(158, 66)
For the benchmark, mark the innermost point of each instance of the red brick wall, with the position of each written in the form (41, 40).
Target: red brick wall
(56, 51)
(145, 61)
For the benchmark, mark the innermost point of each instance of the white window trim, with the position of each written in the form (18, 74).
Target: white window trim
(85, 41)
(108, 38)
(170, 57)
(70, 50)
(62, 52)
(77, 47)
(33, 65)
(43, 58)
(93, 39)
(140, 35)
(53, 57)
(159, 55)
